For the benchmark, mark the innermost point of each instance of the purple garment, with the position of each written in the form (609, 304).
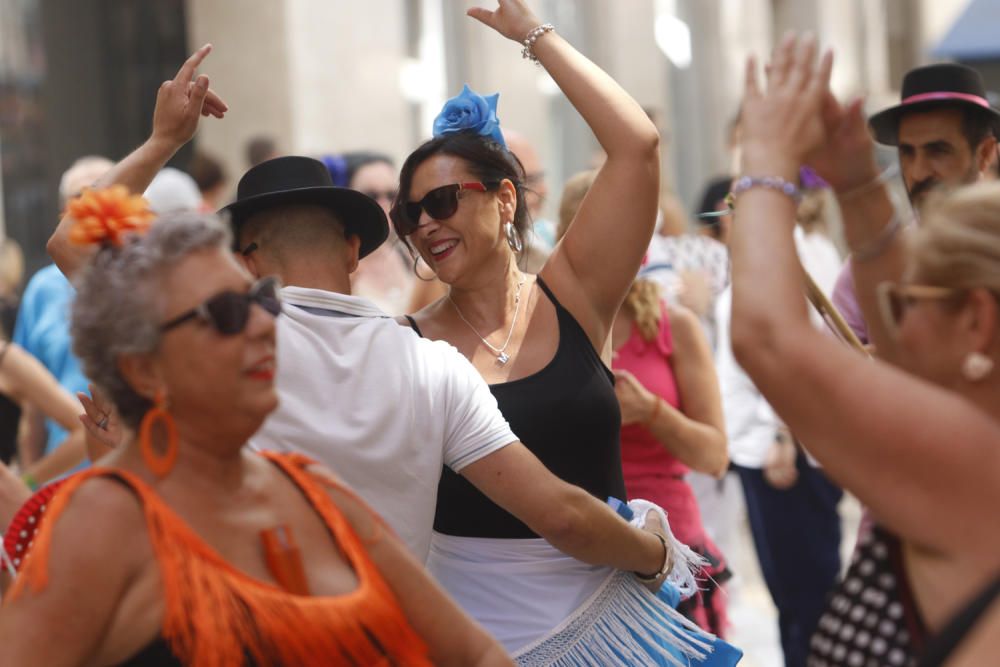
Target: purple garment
(845, 299)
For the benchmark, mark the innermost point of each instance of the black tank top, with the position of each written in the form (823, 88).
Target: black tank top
(567, 415)
(959, 627)
(158, 654)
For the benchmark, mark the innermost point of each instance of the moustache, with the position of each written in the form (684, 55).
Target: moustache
(923, 187)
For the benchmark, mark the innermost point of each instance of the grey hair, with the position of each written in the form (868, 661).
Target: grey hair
(118, 303)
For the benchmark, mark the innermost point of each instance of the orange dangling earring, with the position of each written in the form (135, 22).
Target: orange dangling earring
(159, 464)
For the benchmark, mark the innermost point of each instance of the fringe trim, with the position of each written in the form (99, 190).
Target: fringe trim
(621, 624)
(687, 564)
(215, 616)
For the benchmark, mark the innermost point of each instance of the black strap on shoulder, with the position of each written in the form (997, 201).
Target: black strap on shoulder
(940, 648)
(548, 292)
(413, 325)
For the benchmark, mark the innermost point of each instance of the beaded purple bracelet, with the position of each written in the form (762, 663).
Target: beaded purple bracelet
(776, 183)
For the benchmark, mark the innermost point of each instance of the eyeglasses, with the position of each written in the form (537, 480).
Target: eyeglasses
(894, 299)
(440, 203)
(229, 311)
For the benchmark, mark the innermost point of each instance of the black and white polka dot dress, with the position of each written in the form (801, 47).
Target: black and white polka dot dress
(870, 619)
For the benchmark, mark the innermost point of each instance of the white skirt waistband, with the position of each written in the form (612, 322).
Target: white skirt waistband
(519, 590)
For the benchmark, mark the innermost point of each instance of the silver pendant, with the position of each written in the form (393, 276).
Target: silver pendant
(503, 358)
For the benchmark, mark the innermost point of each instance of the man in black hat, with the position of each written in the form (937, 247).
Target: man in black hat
(380, 406)
(945, 133)
(944, 129)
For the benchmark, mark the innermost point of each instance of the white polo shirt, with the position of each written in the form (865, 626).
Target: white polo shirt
(380, 406)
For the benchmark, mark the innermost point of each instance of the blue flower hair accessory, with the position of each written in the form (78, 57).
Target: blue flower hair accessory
(470, 111)
(337, 166)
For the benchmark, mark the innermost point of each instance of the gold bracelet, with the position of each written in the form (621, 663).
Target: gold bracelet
(664, 568)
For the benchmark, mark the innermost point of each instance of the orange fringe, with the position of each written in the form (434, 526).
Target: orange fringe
(216, 616)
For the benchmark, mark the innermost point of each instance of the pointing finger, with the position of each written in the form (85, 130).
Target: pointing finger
(186, 73)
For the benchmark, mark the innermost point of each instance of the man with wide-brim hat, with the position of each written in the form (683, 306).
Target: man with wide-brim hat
(945, 133)
(944, 128)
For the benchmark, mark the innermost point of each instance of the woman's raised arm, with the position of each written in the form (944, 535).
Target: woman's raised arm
(916, 454)
(594, 264)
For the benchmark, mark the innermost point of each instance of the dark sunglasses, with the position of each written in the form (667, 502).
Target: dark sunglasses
(229, 311)
(440, 203)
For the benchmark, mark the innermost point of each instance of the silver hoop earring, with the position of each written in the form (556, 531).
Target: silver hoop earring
(513, 239)
(416, 260)
(976, 367)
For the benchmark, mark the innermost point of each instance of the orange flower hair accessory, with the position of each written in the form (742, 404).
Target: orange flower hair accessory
(105, 217)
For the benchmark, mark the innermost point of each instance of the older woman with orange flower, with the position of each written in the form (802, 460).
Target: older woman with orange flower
(182, 547)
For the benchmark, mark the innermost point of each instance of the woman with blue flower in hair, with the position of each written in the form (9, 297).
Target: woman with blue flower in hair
(542, 344)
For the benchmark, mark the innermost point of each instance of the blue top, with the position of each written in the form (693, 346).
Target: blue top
(43, 330)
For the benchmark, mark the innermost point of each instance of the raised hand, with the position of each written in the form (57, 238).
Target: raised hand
(783, 124)
(512, 18)
(181, 101)
(846, 160)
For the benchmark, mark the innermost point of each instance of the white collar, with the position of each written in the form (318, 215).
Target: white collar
(344, 303)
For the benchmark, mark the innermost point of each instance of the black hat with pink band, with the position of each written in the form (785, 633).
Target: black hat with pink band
(935, 86)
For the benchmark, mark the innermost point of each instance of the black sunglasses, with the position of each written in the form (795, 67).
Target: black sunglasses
(440, 203)
(229, 311)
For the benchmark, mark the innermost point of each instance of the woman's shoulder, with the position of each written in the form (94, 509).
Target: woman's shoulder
(104, 502)
(685, 329)
(91, 527)
(681, 320)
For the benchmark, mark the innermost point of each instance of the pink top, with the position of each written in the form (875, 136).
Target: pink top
(651, 472)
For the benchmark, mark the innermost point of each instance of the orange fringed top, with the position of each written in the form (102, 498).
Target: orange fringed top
(216, 616)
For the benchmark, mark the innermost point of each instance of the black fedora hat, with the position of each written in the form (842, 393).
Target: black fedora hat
(932, 86)
(302, 180)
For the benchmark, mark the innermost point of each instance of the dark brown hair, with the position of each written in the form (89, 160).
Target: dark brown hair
(486, 159)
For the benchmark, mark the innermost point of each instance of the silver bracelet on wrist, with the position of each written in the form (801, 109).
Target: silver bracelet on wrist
(649, 578)
(880, 243)
(528, 52)
(868, 186)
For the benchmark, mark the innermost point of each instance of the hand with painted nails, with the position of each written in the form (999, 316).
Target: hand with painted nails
(182, 101)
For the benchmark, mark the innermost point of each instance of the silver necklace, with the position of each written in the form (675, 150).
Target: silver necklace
(502, 356)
